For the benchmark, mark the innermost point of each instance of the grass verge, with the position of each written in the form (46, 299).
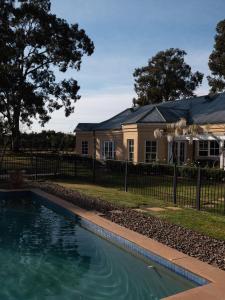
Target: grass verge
(206, 223)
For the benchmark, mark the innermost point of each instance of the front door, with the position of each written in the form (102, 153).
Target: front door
(179, 152)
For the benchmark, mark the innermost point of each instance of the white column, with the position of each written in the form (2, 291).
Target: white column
(170, 152)
(221, 154)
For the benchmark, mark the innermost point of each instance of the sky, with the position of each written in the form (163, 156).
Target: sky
(126, 33)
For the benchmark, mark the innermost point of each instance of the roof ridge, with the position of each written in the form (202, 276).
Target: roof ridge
(147, 113)
(160, 113)
(115, 116)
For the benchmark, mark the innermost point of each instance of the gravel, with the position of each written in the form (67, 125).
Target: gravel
(194, 244)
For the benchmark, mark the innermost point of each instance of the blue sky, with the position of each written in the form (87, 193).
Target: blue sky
(126, 34)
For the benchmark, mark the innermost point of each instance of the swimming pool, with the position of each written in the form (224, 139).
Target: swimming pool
(47, 254)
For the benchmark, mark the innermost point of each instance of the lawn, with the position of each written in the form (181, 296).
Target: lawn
(141, 186)
(204, 222)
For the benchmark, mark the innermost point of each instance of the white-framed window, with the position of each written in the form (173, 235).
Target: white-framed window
(84, 147)
(203, 148)
(130, 150)
(150, 151)
(208, 148)
(108, 150)
(179, 150)
(214, 149)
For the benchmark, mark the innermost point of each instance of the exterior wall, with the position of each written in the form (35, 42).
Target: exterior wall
(146, 132)
(130, 132)
(116, 136)
(190, 148)
(139, 133)
(84, 136)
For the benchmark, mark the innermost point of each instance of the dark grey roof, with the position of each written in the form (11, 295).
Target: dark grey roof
(173, 114)
(114, 122)
(85, 126)
(196, 110)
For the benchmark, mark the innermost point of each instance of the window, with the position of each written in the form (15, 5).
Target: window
(179, 152)
(130, 149)
(150, 151)
(84, 147)
(214, 148)
(203, 148)
(108, 150)
(208, 148)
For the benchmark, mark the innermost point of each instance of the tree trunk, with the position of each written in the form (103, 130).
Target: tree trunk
(16, 136)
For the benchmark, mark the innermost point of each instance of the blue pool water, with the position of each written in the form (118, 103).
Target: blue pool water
(45, 255)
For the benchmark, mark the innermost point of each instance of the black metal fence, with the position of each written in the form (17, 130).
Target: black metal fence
(193, 187)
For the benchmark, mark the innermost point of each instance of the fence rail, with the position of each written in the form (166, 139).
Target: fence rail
(193, 187)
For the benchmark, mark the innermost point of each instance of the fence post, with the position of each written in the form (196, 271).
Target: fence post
(36, 168)
(198, 189)
(75, 166)
(60, 167)
(93, 169)
(175, 184)
(125, 176)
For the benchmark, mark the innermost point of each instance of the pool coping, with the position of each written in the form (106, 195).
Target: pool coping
(215, 287)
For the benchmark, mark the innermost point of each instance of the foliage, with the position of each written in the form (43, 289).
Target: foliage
(44, 141)
(47, 140)
(166, 77)
(34, 44)
(217, 60)
(177, 129)
(156, 169)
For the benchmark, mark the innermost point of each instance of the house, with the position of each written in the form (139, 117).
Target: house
(130, 134)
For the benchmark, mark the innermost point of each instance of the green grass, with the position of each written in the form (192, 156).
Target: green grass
(112, 195)
(204, 222)
(140, 186)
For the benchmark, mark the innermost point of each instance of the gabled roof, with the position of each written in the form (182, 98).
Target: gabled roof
(114, 122)
(85, 126)
(172, 115)
(196, 110)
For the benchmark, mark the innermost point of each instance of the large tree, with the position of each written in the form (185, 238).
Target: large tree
(217, 60)
(34, 44)
(166, 77)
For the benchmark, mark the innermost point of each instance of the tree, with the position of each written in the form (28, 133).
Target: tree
(47, 140)
(166, 77)
(34, 44)
(217, 60)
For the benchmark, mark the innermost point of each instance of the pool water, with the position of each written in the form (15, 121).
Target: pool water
(45, 255)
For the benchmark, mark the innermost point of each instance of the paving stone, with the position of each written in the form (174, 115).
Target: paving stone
(220, 199)
(209, 205)
(116, 211)
(173, 208)
(155, 209)
(140, 210)
(189, 206)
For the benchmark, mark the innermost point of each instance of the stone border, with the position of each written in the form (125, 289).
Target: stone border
(215, 289)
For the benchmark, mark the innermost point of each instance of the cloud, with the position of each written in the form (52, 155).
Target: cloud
(93, 107)
(107, 87)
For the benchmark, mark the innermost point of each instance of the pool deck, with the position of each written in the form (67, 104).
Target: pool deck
(214, 290)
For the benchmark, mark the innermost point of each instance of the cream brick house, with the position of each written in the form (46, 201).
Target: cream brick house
(130, 134)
